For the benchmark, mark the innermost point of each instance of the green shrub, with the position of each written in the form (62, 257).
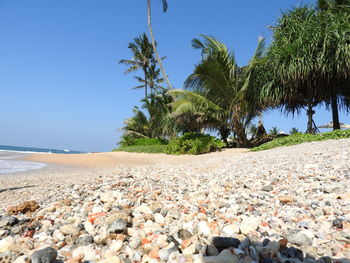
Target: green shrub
(193, 143)
(301, 138)
(150, 141)
(142, 149)
(126, 140)
(131, 141)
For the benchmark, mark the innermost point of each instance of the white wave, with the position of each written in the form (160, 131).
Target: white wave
(18, 166)
(12, 151)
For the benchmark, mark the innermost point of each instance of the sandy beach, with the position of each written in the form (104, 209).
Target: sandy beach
(68, 169)
(286, 204)
(113, 159)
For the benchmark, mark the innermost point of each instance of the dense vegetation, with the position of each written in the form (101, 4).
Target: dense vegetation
(306, 65)
(298, 138)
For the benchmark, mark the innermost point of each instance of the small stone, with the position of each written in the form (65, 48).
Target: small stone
(88, 253)
(295, 253)
(159, 218)
(84, 240)
(226, 256)
(190, 250)
(222, 243)
(113, 259)
(285, 199)
(265, 242)
(204, 228)
(77, 259)
(283, 242)
(6, 243)
(144, 209)
(46, 255)
(249, 225)
(118, 226)
(69, 230)
(116, 245)
(231, 230)
(107, 197)
(212, 250)
(302, 238)
(184, 234)
(338, 223)
(303, 224)
(267, 188)
(8, 220)
(164, 253)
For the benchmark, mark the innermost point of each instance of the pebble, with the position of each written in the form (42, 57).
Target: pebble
(6, 220)
(118, 226)
(337, 223)
(302, 238)
(46, 255)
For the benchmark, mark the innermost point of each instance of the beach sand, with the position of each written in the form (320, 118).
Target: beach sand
(112, 159)
(298, 195)
(64, 170)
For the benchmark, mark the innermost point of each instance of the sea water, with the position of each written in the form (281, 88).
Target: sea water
(9, 156)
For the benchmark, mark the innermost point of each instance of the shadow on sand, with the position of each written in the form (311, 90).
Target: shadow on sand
(16, 188)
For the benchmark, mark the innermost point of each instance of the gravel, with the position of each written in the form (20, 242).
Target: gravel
(282, 205)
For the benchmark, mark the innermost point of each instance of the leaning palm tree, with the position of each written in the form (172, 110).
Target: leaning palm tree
(149, 19)
(142, 57)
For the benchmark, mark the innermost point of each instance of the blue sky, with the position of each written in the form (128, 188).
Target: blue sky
(60, 83)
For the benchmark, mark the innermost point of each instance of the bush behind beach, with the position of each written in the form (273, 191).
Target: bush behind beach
(302, 138)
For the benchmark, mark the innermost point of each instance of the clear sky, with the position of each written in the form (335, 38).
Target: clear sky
(60, 83)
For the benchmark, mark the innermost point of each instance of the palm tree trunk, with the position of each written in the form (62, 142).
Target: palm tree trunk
(224, 133)
(310, 112)
(240, 132)
(146, 81)
(165, 76)
(335, 113)
(261, 132)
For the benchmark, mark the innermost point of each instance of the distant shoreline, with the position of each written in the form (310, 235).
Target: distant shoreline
(24, 149)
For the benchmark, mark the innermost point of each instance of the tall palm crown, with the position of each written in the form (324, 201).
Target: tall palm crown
(142, 57)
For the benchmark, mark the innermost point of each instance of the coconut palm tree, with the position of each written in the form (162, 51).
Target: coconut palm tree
(215, 90)
(142, 58)
(152, 120)
(149, 20)
(154, 81)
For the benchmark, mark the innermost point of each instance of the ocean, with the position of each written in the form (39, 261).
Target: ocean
(9, 156)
